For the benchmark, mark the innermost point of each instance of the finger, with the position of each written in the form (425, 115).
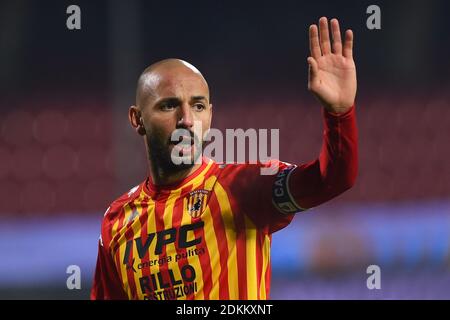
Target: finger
(336, 33)
(324, 36)
(348, 44)
(312, 71)
(314, 46)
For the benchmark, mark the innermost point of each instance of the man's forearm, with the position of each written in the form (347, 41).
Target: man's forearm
(336, 168)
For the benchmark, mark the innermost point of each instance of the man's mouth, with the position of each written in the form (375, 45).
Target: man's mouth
(184, 144)
(184, 140)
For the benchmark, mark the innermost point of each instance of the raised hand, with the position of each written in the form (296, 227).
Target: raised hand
(332, 71)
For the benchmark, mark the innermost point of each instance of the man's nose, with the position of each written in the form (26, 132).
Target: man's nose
(185, 117)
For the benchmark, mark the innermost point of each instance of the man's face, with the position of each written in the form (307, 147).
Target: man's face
(179, 99)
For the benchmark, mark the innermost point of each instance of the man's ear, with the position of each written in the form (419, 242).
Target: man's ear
(136, 120)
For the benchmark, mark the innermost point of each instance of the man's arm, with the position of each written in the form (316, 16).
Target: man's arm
(107, 284)
(332, 79)
(335, 169)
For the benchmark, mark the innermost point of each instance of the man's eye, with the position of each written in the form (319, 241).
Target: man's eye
(167, 107)
(199, 107)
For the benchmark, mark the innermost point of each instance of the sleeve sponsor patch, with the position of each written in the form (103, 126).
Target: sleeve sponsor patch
(281, 197)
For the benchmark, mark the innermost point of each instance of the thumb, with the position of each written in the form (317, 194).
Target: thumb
(312, 70)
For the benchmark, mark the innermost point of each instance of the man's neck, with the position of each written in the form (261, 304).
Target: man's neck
(162, 178)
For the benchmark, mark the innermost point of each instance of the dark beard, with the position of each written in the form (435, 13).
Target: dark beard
(160, 156)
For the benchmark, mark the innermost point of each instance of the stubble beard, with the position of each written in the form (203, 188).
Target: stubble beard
(159, 154)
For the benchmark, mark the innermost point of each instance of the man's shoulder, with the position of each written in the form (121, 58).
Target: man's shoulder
(252, 168)
(115, 209)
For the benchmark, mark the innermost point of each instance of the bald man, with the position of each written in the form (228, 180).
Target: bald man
(202, 230)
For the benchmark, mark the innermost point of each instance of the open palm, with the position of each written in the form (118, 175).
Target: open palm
(332, 71)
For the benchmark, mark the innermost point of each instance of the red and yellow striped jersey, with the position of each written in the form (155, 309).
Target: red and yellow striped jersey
(193, 240)
(209, 235)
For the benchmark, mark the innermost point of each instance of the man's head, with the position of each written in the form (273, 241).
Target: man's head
(171, 94)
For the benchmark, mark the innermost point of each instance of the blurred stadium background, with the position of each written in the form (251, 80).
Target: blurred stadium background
(67, 150)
